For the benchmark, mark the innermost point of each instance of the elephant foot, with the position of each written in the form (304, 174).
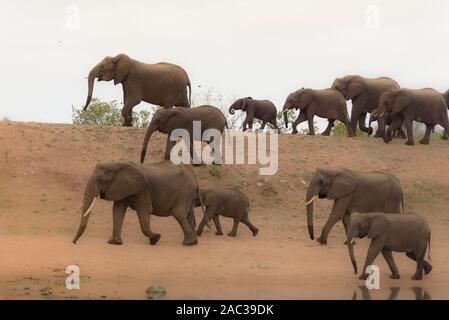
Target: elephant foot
(190, 242)
(294, 132)
(115, 241)
(417, 277)
(364, 276)
(198, 233)
(424, 141)
(409, 143)
(370, 131)
(255, 232)
(387, 140)
(311, 133)
(232, 234)
(395, 276)
(218, 233)
(427, 267)
(346, 242)
(155, 239)
(322, 241)
(350, 135)
(326, 134)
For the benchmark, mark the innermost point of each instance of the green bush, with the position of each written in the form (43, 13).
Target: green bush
(102, 113)
(340, 130)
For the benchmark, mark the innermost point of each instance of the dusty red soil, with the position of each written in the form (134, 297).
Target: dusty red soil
(43, 169)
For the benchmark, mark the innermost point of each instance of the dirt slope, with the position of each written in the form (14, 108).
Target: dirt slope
(43, 169)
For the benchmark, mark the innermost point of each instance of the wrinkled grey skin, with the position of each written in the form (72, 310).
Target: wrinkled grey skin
(365, 94)
(228, 203)
(388, 118)
(327, 103)
(406, 232)
(352, 191)
(407, 105)
(264, 110)
(162, 189)
(161, 84)
(167, 120)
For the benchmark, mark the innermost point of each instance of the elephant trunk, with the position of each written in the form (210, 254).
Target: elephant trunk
(90, 194)
(148, 135)
(90, 84)
(351, 249)
(309, 204)
(231, 110)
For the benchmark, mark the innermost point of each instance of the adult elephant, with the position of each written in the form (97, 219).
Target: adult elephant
(352, 191)
(264, 110)
(388, 118)
(162, 84)
(327, 103)
(365, 94)
(162, 189)
(407, 105)
(168, 120)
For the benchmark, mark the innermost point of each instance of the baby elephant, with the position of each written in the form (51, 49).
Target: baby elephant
(226, 202)
(406, 232)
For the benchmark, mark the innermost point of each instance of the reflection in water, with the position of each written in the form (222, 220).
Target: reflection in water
(420, 293)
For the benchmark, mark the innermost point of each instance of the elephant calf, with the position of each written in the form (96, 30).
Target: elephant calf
(398, 133)
(407, 233)
(263, 110)
(226, 202)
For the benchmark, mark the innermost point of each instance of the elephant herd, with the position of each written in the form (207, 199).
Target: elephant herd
(369, 204)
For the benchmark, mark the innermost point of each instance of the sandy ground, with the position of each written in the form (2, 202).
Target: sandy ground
(43, 170)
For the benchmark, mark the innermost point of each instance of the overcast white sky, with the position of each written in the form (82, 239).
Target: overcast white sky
(265, 49)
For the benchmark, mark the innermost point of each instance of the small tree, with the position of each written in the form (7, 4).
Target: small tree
(102, 113)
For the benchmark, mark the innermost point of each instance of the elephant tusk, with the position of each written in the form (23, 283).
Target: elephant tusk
(310, 201)
(90, 208)
(285, 111)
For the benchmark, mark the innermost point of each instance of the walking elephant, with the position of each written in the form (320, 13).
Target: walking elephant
(365, 94)
(327, 103)
(407, 233)
(264, 110)
(162, 189)
(168, 120)
(162, 84)
(228, 203)
(352, 191)
(407, 105)
(388, 118)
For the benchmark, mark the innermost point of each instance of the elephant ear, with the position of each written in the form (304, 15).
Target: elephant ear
(343, 183)
(305, 98)
(401, 101)
(355, 87)
(175, 118)
(245, 103)
(128, 180)
(379, 224)
(123, 65)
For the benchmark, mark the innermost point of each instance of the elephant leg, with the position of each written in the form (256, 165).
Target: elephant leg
(301, 118)
(329, 127)
(408, 121)
(118, 214)
(375, 248)
(339, 209)
(233, 232)
(310, 115)
(274, 124)
(144, 220)
(210, 212)
(426, 138)
(191, 218)
(245, 221)
(362, 124)
(346, 223)
(401, 132)
(396, 123)
(190, 237)
(344, 119)
(168, 146)
(245, 124)
(445, 125)
(262, 126)
(426, 265)
(389, 258)
(217, 152)
(250, 125)
(419, 269)
(218, 226)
